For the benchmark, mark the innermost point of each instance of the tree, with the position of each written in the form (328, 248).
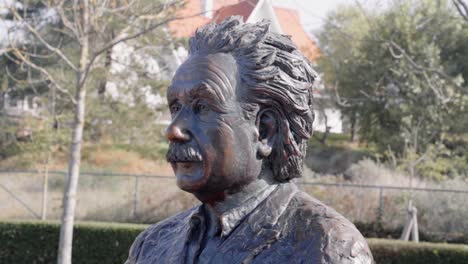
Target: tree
(340, 40)
(77, 37)
(403, 76)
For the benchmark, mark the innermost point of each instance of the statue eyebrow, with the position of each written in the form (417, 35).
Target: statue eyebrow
(205, 90)
(212, 96)
(171, 98)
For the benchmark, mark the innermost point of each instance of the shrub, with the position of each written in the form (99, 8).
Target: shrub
(332, 159)
(378, 230)
(401, 252)
(36, 242)
(9, 150)
(443, 215)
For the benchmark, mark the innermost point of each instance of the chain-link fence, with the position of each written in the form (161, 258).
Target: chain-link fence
(148, 198)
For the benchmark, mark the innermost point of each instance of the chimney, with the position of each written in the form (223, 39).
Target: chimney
(207, 8)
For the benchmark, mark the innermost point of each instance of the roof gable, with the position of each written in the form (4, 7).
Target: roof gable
(291, 24)
(243, 9)
(283, 20)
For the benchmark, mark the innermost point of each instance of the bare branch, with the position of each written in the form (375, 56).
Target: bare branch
(120, 39)
(35, 54)
(43, 71)
(369, 97)
(338, 99)
(120, 8)
(462, 8)
(23, 81)
(67, 23)
(130, 37)
(439, 94)
(394, 55)
(44, 42)
(391, 44)
(77, 20)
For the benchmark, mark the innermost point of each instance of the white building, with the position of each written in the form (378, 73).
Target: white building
(20, 106)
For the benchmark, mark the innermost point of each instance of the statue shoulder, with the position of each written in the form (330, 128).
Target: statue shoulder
(341, 242)
(157, 232)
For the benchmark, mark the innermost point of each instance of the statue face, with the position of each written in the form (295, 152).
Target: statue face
(212, 146)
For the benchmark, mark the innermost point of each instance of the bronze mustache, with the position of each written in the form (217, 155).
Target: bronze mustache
(182, 152)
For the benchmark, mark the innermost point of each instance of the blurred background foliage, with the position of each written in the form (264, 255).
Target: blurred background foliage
(398, 74)
(121, 118)
(401, 76)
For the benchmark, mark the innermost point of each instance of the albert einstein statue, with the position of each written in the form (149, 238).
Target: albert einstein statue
(241, 119)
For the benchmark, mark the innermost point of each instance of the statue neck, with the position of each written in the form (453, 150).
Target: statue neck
(226, 212)
(225, 200)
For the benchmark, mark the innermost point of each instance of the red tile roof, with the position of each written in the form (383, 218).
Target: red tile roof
(217, 4)
(291, 25)
(244, 9)
(193, 20)
(289, 21)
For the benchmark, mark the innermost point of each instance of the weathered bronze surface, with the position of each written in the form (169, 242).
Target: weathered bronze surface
(241, 119)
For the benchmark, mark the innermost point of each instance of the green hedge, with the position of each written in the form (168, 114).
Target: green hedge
(377, 230)
(36, 242)
(387, 251)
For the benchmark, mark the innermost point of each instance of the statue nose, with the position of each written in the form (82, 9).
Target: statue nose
(175, 132)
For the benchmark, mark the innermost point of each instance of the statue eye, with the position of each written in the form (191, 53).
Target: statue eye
(175, 107)
(201, 108)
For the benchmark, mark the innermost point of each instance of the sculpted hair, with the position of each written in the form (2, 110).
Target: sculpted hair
(277, 77)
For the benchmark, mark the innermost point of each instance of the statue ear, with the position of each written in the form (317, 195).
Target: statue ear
(267, 124)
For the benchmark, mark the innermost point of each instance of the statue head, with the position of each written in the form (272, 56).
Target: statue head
(240, 105)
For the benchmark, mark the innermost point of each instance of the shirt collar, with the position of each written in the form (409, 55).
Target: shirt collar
(231, 218)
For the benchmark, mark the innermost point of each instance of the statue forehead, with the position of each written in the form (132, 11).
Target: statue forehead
(218, 71)
(207, 66)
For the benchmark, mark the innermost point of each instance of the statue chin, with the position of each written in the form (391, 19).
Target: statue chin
(190, 176)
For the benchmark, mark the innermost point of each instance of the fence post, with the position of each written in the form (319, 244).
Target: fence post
(45, 189)
(380, 209)
(135, 197)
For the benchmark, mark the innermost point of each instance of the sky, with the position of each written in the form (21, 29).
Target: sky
(314, 12)
(4, 4)
(5, 25)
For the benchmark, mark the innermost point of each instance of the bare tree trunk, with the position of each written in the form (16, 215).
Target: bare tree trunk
(69, 199)
(353, 127)
(45, 188)
(325, 134)
(107, 65)
(51, 140)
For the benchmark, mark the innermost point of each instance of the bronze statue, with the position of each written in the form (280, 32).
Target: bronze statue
(241, 119)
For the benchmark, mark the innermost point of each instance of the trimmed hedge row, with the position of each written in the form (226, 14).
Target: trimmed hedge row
(377, 230)
(36, 242)
(388, 251)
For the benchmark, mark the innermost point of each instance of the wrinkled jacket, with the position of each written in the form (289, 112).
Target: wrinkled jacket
(287, 227)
